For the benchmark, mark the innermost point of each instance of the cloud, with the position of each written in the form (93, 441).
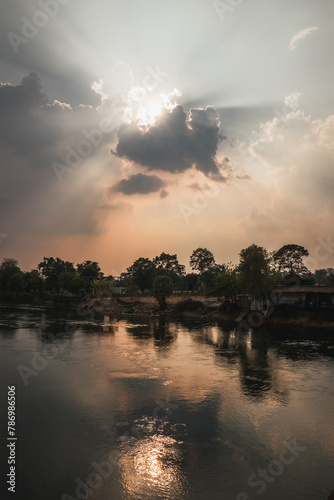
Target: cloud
(292, 101)
(195, 186)
(140, 184)
(24, 129)
(39, 131)
(34, 134)
(324, 130)
(175, 143)
(265, 220)
(243, 176)
(300, 35)
(294, 156)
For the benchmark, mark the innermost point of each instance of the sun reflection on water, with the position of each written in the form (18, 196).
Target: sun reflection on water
(152, 466)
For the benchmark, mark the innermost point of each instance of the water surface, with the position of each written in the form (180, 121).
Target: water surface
(156, 409)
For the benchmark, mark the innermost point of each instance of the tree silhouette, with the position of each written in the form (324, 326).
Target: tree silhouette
(89, 269)
(254, 270)
(11, 276)
(52, 268)
(169, 264)
(162, 288)
(142, 272)
(289, 258)
(202, 260)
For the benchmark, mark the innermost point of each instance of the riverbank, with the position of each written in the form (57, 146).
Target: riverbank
(200, 307)
(182, 306)
(195, 306)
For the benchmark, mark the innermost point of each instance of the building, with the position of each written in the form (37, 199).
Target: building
(303, 297)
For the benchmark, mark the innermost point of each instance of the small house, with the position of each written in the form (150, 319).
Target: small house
(304, 297)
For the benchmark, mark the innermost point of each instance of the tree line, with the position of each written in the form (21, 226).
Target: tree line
(256, 274)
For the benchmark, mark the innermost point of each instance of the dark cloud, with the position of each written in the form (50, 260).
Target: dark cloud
(40, 132)
(23, 128)
(27, 95)
(177, 142)
(34, 135)
(140, 184)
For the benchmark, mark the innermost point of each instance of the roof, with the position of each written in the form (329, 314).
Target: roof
(298, 289)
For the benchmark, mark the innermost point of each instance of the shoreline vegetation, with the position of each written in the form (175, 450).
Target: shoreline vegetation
(263, 288)
(202, 308)
(188, 307)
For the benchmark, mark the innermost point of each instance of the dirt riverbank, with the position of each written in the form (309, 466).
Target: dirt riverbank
(208, 309)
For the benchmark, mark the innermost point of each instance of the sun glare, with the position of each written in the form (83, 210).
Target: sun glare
(145, 112)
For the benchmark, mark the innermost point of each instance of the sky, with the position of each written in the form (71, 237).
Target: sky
(131, 128)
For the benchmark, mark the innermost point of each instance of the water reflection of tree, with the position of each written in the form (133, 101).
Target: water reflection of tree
(58, 332)
(9, 322)
(255, 372)
(160, 329)
(13, 318)
(255, 354)
(225, 344)
(163, 333)
(140, 330)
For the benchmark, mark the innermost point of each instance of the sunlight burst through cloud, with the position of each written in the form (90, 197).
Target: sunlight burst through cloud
(145, 113)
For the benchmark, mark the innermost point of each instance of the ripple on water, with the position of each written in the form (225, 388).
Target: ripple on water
(152, 468)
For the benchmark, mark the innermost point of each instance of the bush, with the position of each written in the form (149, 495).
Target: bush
(188, 305)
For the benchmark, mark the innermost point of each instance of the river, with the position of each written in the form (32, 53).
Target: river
(138, 409)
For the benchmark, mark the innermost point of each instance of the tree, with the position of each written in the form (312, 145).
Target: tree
(77, 285)
(15, 282)
(11, 276)
(169, 265)
(162, 288)
(131, 288)
(72, 282)
(33, 282)
(89, 269)
(190, 281)
(289, 258)
(202, 260)
(65, 278)
(320, 276)
(142, 272)
(52, 268)
(325, 276)
(225, 282)
(100, 286)
(206, 280)
(88, 272)
(254, 270)
(330, 280)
